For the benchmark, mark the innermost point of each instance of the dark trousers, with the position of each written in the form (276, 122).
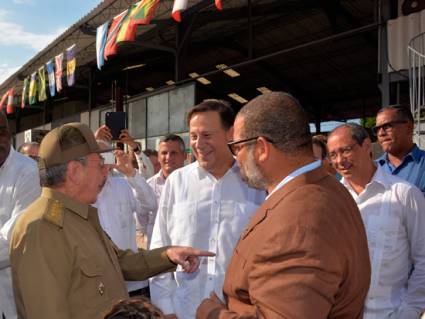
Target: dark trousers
(145, 292)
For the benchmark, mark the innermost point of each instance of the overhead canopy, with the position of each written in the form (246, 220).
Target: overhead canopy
(323, 52)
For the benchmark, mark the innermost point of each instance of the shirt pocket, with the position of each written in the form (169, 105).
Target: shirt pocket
(382, 233)
(184, 223)
(391, 227)
(91, 286)
(235, 216)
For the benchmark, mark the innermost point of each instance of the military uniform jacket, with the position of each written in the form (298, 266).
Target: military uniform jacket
(303, 255)
(65, 266)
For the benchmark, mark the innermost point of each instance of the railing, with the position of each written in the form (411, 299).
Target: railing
(416, 50)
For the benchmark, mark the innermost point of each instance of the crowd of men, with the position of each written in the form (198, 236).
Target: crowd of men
(258, 226)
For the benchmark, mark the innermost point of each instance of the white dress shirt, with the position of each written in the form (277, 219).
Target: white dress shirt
(304, 169)
(198, 210)
(120, 199)
(19, 187)
(157, 183)
(394, 217)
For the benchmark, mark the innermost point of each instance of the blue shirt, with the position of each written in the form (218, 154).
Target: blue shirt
(411, 169)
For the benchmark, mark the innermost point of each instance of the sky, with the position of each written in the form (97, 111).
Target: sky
(28, 26)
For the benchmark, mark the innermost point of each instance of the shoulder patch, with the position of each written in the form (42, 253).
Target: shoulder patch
(54, 213)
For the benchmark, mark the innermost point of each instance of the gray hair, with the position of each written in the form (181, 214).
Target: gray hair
(358, 133)
(174, 138)
(403, 112)
(56, 175)
(278, 117)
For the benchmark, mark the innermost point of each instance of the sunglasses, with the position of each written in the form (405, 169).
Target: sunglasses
(387, 127)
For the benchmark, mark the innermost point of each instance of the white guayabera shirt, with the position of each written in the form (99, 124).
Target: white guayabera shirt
(393, 212)
(198, 210)
(120, 199)
(157, 183)
(19, 187)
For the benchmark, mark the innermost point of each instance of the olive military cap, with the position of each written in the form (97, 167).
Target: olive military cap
(65, 143)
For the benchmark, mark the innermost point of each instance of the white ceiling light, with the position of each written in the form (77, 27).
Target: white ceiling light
(134, 67)
(263, 90)
(230, 72)
(202, 80)
(238, 98)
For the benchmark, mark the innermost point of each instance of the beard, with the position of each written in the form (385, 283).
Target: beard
(251, 173)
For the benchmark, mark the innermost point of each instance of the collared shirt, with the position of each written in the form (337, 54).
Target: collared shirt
(198, 210)
(297, 172)
(19, 187)
(65, 267)
(393, 214)
(411, 169)
(157, 183)
(120, 199)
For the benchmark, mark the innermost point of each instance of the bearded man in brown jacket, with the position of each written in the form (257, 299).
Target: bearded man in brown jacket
(304, 253)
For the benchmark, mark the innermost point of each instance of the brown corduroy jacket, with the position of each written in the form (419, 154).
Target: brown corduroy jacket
(303, 255)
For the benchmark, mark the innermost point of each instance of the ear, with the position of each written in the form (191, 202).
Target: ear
(74, 173)
(367, 145)
(263, 149)
(229, 134)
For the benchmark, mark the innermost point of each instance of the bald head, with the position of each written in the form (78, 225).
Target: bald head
(29, 149)
(279, 117)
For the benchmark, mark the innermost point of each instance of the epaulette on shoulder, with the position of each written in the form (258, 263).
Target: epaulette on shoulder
(54, 212)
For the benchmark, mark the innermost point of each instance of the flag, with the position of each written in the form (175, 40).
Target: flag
(51, 76)
(140, 13)
(42, 96)
(24, 97)
(58, 71)
(32, 95)
(218, 4)
(9, 108)
(179, 5)
(111, 45)
(101, 36)
(71, 63)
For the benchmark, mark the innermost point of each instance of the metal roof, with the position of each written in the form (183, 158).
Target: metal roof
(323, 52)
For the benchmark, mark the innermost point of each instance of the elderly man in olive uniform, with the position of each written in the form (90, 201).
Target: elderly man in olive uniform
(63, 264)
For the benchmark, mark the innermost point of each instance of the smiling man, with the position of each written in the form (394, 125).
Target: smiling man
(394, 129)
(205, 203)
(171, 156)
(393, 215)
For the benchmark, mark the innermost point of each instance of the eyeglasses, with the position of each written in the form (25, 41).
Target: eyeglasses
(85, 160)
(387, 127)
(344, 151)
(235, 146)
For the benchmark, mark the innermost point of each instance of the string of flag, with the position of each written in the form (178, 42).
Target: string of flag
(122, 28)
(36, 86)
